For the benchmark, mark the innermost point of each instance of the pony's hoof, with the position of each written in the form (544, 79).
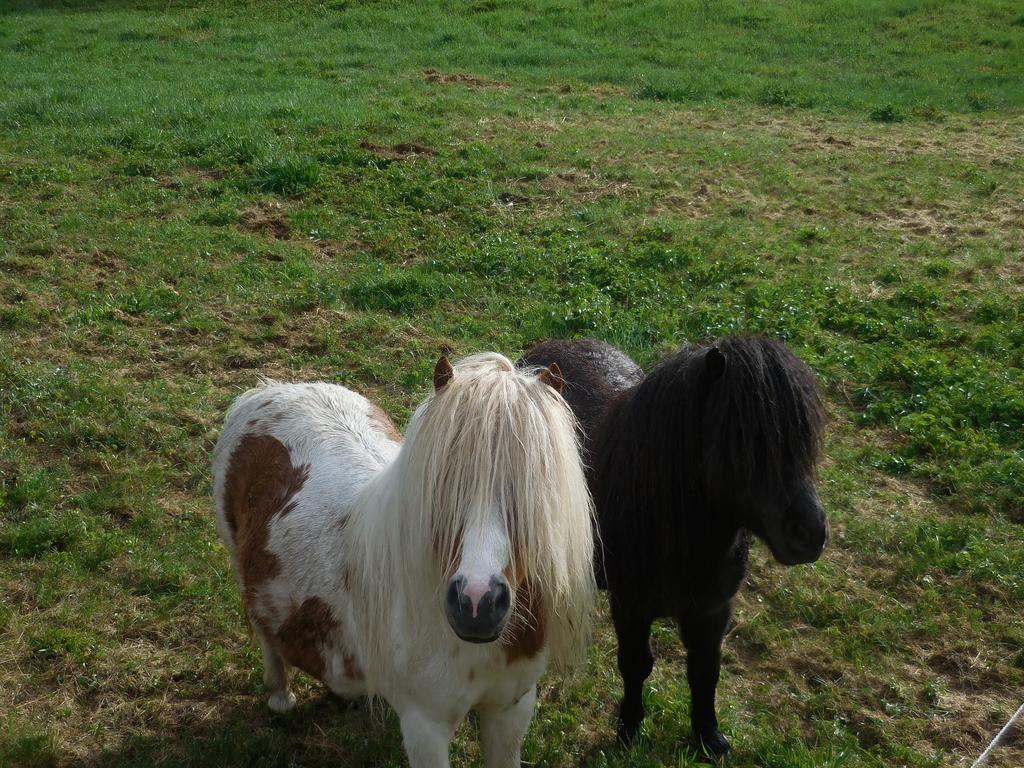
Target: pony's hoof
(627, 731)
(713, 743)
(282, 701)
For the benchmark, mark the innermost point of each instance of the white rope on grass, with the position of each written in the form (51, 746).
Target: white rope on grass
(999, 737)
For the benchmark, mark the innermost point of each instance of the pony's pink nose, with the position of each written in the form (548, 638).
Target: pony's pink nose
(474, 591)
(476, 611)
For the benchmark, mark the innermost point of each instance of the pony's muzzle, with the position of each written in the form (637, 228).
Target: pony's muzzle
(477, 612)
(806, 540)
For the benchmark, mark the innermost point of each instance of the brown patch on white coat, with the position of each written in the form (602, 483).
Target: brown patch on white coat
(305, 633)
(352, 671)
(524, 636)
(260, 484)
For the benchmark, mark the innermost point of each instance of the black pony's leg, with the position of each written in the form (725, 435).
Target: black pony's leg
(702, 635)
(635, 663)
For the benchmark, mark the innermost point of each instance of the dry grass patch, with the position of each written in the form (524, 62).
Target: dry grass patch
(471, 81)
(267, 217)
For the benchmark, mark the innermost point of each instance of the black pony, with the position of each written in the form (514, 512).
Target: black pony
(715, 443)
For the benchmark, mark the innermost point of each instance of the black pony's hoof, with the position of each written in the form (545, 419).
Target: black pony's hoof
(628, 731)
(712, 743)
(631, 714)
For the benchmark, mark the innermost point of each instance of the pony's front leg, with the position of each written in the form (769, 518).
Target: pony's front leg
(635, 664)
(426, 739)
(503, 728)
(702, 635)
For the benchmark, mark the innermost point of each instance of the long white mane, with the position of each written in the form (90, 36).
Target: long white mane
(493, 438)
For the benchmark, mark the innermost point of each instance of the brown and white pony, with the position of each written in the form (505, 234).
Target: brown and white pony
(441, 573)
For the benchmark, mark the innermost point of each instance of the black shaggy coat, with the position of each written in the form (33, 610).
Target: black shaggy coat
(715, 443)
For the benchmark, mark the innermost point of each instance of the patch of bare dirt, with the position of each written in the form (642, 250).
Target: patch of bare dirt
(169, 181)
(697, 202)
(403, 151)
(692, 200)
(510, 199)
(266, 218)
(816, 671)
(818, 142)
(945, 220)
(18, 263)
(916, 222)
(329, 249)
(998, 142)
(472, 81)
(1012, 269)
(965, 668)
(965, 722)
(585, 187)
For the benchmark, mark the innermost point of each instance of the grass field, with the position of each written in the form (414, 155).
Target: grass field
(192, 194)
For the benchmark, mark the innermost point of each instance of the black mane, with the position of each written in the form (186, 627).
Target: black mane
(763, 418)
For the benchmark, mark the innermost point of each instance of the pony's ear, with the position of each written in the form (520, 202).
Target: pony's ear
(552, 376)
(443, 373)
(714, 361)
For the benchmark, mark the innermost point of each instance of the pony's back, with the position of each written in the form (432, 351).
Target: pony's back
(275, 433)
(595, 373)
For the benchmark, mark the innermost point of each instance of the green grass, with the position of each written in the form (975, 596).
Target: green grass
(192, 194)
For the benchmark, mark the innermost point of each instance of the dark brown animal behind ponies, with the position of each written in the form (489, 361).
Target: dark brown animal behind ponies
(716, 442)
